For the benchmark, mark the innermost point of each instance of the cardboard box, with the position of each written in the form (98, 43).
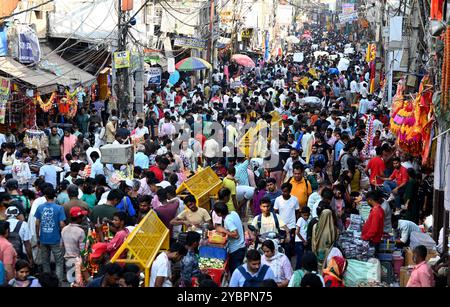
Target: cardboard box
(405, 274)
(409, 256)
(117, 154)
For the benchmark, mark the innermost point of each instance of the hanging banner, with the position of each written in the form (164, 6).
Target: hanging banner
(171, 65)
(190, 42)
(122, 59)
(5, 85)
(154, 74)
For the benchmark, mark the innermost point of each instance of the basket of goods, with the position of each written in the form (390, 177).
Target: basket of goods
(214, 267)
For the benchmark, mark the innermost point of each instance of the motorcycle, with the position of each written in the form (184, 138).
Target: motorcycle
(276, 238)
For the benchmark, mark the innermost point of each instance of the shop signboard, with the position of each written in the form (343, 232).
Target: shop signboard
(247, 34)
(348, 8)
(190, 42)
(4, 95)
(122, 59)
(344, 18)
(154, 74)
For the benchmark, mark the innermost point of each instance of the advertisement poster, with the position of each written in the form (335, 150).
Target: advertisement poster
(154, 74)
(4, 95)
(29, 49)
(122, 59)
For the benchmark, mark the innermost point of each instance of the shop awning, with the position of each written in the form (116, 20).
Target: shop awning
(68, 74)
(35, 77)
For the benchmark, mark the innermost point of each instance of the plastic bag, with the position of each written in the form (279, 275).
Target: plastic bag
(419, 238)
(359, 271)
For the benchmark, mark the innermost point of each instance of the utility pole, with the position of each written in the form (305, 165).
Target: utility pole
(211, 44)
(122, 86)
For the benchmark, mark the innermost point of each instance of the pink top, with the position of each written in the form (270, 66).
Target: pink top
(69, 144)
(116, 242)
(421, 276)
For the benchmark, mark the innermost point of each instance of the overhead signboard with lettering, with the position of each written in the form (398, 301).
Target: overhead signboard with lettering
(190, 42)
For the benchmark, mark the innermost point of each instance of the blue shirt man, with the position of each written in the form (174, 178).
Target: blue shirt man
(238, 279)
(141, 160)
(50, 216)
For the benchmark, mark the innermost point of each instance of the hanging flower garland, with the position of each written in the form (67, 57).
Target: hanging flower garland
(368, 144)
(45, 106)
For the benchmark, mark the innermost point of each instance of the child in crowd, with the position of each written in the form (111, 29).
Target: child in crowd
(300, 235)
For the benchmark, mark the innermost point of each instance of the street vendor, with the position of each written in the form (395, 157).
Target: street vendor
(374, 226)
(193, 217)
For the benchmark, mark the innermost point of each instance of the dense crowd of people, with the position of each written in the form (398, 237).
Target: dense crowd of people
(327, 162)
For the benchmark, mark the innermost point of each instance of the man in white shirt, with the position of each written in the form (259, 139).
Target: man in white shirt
(141, 130)
(354, 89)
(211, 150)
(48, 172)
(161, 270)
(287, 206)
(288, 170)
(97, 165)
(363, 90)
(364, 106)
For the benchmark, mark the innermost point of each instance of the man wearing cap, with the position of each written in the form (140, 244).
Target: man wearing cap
(111, 128)
(22, 229)
(140, 158)
(73, 236)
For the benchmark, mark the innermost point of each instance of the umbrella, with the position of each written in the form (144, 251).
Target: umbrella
(243, 60)
(174, 77)
(192, 63)
(333, 71)
(292, 39)
(306, 36)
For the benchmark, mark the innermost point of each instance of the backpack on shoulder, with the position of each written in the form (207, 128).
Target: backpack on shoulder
(16, 241)
(253, 281)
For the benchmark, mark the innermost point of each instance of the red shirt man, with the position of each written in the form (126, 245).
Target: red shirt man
(376, 167)
(373, 228)
(400, 175)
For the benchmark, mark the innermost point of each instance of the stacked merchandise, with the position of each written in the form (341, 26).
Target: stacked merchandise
(353, 247)
(355, 223)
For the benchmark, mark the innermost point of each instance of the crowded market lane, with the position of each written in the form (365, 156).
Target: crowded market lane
(288, 172)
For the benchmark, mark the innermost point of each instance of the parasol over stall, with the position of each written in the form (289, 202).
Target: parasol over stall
(292, 39)
(192, 64)
(243, 60)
